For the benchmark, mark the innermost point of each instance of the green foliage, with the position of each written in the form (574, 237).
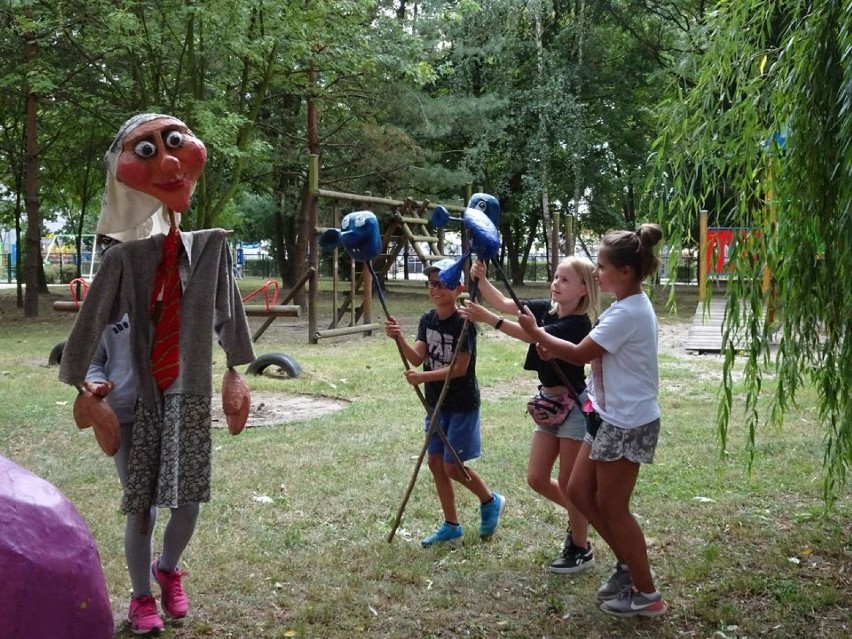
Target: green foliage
(774, 68)
(414, 99)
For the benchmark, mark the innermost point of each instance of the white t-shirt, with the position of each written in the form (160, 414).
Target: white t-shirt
(625, 380)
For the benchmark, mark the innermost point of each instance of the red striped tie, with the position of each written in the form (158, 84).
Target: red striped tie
(165, 355)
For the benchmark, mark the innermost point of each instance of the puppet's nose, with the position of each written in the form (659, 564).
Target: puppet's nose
(169, 163)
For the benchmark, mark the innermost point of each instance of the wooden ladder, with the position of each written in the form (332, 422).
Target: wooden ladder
(409, 226)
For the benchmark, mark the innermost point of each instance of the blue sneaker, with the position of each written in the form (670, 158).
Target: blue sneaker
(490, 514)
(447, 533)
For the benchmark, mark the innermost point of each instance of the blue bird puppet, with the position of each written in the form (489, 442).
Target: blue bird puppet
(480, 219)
(486, 203)
(358, 234)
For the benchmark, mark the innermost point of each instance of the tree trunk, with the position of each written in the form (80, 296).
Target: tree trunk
(33, 257)
(285, 238)
(300, 255)
(578, 165)
(629, 205)
(278, 249)
(551, 233)
(19, 268)
(306, 242)
(513, 257)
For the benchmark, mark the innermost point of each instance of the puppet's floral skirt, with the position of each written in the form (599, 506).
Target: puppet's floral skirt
(169, 461)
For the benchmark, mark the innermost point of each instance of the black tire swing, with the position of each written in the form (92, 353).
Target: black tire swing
(275, 365)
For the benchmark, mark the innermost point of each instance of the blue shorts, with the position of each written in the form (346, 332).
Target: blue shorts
(574, 426)
(462, 431)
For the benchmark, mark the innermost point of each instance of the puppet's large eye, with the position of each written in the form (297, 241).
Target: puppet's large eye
(173, 139)
(360, 220)
(145, 149)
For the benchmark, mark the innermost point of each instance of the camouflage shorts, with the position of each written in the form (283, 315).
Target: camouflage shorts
(636, 444)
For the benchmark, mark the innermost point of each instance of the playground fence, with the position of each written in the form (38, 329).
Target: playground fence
(685, 270)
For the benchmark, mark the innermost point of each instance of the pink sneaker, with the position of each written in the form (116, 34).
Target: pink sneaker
(143, 616)
(173, 598)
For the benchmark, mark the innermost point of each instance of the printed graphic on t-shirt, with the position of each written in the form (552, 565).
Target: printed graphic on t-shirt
(439, 349)
(123, 325)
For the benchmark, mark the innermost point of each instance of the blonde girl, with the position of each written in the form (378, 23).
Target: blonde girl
(565, 315)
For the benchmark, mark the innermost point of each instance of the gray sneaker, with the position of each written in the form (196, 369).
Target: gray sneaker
(632, 603)
(619, 581)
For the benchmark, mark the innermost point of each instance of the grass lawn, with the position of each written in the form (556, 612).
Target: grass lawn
(294, 541)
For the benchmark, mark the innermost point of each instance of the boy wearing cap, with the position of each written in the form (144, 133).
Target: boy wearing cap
(439, 335)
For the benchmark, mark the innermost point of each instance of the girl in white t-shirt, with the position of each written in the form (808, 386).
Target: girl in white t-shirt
(622, 351)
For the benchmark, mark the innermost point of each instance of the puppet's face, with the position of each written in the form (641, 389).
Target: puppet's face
(488, 204)
(361, 237)
(163, 159)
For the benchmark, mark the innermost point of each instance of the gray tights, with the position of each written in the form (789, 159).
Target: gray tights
(138, 539)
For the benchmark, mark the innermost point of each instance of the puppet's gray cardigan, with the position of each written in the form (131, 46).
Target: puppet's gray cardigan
(210, 303)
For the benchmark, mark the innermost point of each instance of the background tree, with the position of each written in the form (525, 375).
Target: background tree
(767, 121)
(544, 104)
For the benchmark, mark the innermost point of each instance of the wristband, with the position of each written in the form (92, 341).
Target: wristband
(498, 324)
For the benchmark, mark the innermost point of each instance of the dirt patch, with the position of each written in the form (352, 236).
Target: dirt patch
(269, 409)
(672, 337)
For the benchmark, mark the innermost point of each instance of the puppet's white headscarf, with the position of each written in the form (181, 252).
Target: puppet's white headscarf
(127, 214)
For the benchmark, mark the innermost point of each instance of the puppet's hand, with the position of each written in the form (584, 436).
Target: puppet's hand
(236, 401)
(91, 410)
(99, 389)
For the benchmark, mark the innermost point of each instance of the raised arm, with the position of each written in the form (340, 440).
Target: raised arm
(489, 292)
(478, 313)
(578, 354)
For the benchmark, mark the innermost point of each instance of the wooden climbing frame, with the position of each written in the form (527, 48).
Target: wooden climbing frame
(408, 224)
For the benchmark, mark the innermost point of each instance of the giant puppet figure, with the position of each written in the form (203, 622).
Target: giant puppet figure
(177, 290)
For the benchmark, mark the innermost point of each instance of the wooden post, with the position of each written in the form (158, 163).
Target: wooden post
(367, 304)
(702, 256)
(334, 270)
(352, 291)
(313, 293)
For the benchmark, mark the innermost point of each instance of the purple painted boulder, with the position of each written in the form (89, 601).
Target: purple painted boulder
(52, 585)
